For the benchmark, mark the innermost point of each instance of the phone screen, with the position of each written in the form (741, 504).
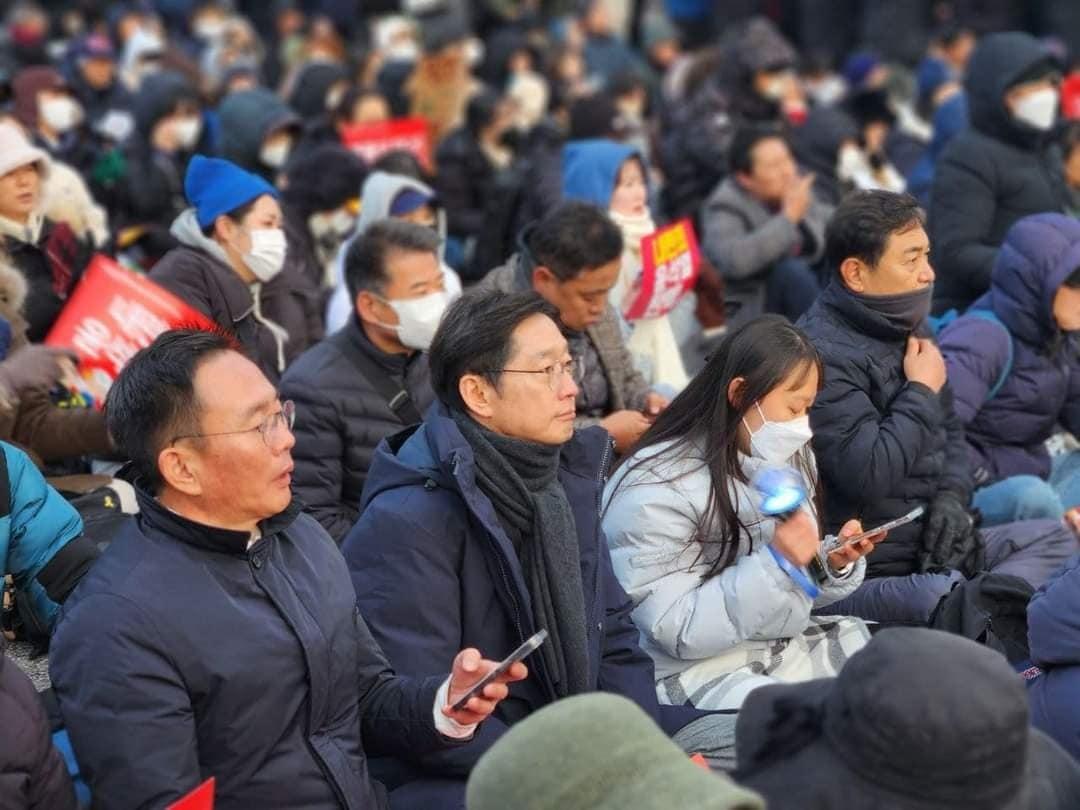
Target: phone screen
(884, 527)
(528, 647)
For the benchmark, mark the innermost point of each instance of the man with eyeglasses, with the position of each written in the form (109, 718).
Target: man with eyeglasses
(481, 527)
(218, 635)
(572, 258)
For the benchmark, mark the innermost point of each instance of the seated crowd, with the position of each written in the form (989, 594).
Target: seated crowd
(800, 529)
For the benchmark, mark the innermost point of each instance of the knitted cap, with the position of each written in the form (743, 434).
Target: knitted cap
(596, 752)
(215, 187)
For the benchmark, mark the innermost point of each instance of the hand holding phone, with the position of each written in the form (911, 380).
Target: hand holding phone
(527, 648)
(914, 514)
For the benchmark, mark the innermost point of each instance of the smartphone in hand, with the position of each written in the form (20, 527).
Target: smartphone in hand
(526, 649)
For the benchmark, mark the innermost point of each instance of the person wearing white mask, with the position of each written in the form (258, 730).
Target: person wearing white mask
(370, 379)
(722, 593)
(231, 245)
(1004, 167)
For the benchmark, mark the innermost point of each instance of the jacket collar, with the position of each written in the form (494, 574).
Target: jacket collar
(155, 516)
(353, 338)
(860, 317)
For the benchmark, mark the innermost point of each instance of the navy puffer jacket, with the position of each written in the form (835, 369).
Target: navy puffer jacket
(884, 445)
(1006, 433)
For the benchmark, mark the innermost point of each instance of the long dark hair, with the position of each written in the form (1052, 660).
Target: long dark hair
(764, 352)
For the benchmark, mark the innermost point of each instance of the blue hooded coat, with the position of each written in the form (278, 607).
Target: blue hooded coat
(1005, 434)
(1054, 637)
(591, 169)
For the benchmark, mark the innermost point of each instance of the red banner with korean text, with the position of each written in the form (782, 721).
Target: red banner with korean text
(112, 314)
(670, 263)
(201, 798)
(372, 141)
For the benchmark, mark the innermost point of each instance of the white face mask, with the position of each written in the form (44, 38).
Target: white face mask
(60, 113)
(777, 85)
(332, 224)
(275, 154)
(210, 29)
(267, 254)
(777, 442)
(187, 131)
(1038, 109)
(419, 318)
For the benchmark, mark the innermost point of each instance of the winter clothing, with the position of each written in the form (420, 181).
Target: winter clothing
(744, 238)
(194, 652)
(25, 88)
(378, 196)
(950, 119)
(817, 144)
(596, 752)
(992, 174)
(697, 136)
(1052, 633)
(1006, 433)
(247, 118)
(463, 178)
(215, 187)
(858, 741)
(198, 271)
(714, 639)
(32, 771)
(626, 388)
(341, 417)
(40, 539)
(426, 527)
(16, 151)
(884, 445)
(310, 87)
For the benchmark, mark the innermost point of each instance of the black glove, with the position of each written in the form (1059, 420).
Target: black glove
(948, 533)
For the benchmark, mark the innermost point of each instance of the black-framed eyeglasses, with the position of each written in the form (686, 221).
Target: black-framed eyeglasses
(554, 372)
(268, 428)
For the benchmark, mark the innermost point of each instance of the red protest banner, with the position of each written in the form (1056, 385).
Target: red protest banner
(670, 262)
(372, 141)
(201, 798)
(112, 314)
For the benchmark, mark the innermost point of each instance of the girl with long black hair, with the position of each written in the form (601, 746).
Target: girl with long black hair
(721, 594)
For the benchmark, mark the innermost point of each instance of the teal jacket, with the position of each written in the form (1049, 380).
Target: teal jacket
(34, 528)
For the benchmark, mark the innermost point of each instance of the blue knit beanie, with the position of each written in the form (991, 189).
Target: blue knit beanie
(215, 187)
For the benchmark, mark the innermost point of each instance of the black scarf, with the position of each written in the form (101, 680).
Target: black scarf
(521, 480)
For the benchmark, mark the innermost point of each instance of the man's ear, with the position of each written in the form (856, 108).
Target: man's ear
(365, 304)
(179, 467)
(478, 395)
(734, 392)
(543, 278)
(853, 274)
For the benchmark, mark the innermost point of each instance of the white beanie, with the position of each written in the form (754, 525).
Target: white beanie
(16, 151)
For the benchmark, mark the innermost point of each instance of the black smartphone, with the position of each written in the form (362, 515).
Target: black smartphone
(522, 652)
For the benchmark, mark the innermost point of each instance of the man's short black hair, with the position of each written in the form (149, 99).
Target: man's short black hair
(863, 222)
(741, 152)
(476, 337)
(365, 260)
(573, 238)
(153, 399)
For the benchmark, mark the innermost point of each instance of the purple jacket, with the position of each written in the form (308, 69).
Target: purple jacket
(1006, 433)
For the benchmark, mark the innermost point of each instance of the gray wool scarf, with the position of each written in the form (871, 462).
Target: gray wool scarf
(521, 479)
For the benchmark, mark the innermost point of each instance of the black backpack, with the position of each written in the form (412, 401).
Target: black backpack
(990, 609)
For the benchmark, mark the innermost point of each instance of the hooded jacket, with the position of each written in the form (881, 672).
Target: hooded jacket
(186, 653)
(377, 195)
(590, 169)
(427, 529)
(247, 117)
(198, 271)
(990, 175)
(312, 83)
(884, 445)
(1054, 638)
(342, 416)
(1006, 434)
(33, 775)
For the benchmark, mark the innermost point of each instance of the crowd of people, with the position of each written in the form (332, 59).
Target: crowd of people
(734, 346)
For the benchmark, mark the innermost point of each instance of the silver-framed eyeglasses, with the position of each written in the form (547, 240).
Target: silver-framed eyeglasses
(554, 372)
(268, 428)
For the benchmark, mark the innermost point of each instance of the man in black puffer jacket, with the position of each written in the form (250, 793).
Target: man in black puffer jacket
(370, 379)
(1006, 166)
(32, 772)
(885, 434)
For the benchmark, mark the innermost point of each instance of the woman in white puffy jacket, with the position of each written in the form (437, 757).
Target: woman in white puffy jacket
(723, 598)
